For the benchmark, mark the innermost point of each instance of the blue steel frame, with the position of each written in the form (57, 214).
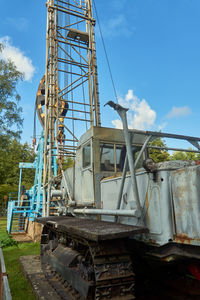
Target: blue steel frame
(35, 194)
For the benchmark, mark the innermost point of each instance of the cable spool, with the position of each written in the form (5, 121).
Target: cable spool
(40, 102)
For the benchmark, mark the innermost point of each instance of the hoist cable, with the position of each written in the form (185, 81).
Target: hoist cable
(104, 47)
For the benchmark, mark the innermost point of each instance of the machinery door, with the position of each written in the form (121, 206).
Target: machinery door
(87, 193)
(186, 190)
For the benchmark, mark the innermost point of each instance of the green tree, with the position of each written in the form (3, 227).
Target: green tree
(179, 155)
(11, 151)
(158, 155)
(10, 111)
(68, 163)
(191, 155)
(10, 155)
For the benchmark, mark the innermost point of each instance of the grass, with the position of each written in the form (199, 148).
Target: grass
(19, 285)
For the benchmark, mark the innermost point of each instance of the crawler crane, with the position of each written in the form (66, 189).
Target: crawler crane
(115, 208)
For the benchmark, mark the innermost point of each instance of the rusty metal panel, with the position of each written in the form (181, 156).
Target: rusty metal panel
(186, 191)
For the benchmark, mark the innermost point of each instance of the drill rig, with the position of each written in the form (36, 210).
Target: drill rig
(113, 204)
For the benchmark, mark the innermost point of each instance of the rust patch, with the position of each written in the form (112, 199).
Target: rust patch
(183, 238)
(147, 201)
(116, 175)
(178, 171)
(125, 198)
(112, 177)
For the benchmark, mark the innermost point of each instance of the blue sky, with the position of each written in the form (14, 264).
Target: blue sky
(154, 52)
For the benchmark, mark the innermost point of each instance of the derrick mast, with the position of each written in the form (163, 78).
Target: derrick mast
(71, 83)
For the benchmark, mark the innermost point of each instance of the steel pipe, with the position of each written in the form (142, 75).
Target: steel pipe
(110, 212)
(122, 113)
(56, 193)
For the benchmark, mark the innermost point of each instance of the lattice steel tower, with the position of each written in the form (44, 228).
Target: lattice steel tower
(71, 83)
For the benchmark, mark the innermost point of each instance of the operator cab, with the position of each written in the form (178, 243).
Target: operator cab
(101, 153)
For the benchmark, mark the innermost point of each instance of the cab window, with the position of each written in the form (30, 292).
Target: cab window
(112, 157)
(107, 157)
(87, 155)
(120, 157)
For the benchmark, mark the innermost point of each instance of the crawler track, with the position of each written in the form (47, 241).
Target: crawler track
(82, 265)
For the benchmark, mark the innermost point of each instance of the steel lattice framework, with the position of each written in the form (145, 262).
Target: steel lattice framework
(71, 83)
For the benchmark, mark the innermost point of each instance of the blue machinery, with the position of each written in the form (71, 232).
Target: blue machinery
(29, 203)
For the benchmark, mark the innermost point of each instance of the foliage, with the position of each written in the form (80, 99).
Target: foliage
(8, 241)
(5, 189)
(19, 285)
(10, 111)
(179, 155)
(158, 155)
(11, 153)
(68, 163)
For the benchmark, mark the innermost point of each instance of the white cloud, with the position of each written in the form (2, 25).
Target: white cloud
(162, 126)
(130, 96)
(177, 112)
(117, 123)
(140, 115)
(22, 62)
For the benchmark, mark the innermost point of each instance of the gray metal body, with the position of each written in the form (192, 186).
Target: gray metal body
(169, 201)
(170, 205)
